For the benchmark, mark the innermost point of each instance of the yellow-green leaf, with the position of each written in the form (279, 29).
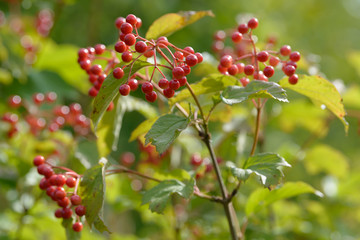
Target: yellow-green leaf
(143, 128)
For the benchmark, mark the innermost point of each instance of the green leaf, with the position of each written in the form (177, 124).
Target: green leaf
(213, 83)
(158, 196)
(321, 91)
(92, 190)
(109, 90)
(263, 197)
(143, 128)
(70, 233)
(255, 89)
(171, 22)
(323, 158)
(165, 130)
(264, 165)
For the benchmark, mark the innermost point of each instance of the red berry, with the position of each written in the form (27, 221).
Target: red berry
(236, 37)
(124, 89)
(179, 55)
(58, 213)
(41, 168)
(130, 39)
(268, 71)
(93, 78)
(50, 191)
(119, 21)
(60, 180)
(196, 159)
(168, 92)
(240, 67)
(83, 53)
(226, 61)
(295, 56)
(151, 97)
(262, 56)
(118, 73)
(77, 227)
(249, 69)
(96, 69)
(127, 159)
(149, 52)
(110, 107)
(243, 28)
(122, 36)
(120, 47)
(174, 84)
(253, 23)
(93, 92)
(100, 48)
(52, 180)
(289, 70)
(126, 56)
(101, 78)
(133, 83)
(85, 64)
(63, 202)
(51, 97)
(191, 60)
(292, 64)
(132, 19)
(163, 83)
(244, 81)
(274, 61)
(188, 50)
(182, 81)
(140, 47)
(186, 69)
(44, 184)
(38, 160)
(126, 28)
(222, 69)
(162, 42)
(59, 193)
(80, 210)
(285, 50)
(220, 35)
(178, 72)
(233, 70)
(71, 182)
(48, 172)
(293, 79)
(147, 87)
(91, 50)
(139, 22)
(199, 56)
(67, 213)
(15, 101)
(38, 98)
(75, 200)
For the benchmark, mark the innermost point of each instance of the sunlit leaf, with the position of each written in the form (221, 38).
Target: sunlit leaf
(263, 197)
(142, 128)
(321, 91)
(255, 89)
(171, 22)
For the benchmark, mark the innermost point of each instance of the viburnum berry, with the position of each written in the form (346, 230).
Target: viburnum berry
(80, 210)
(50, 191)
(253, 23)
(236, 37)
(240, 67)
(120, 47)
(243, 28)
(101, 78)
(124, 89)
(178, 72)
(58, 213)
(226, 61)
(200, 57)
(118, 73)
(151, 97)
(274, 61)
(140, 47)
(191, 60)
(59, 193)
(67, 213)
(293, 79)
(126, 56)
(182, 81)
(168, 92)
(220, 35)
(222, 69)
(147, 87)
(60, 180)
(122, 36)
(71, 182)
(96, 69)
(292, 64)
(186, 69)
(133, 84)
(75, 200)
(93, 78)
(294, 56)
(127, 159)
(119, 21)
(38, 160)
(50, 97)
(42, 168)
(44, 184)
(244, 81)
(163, 83)
(126, 28)
(188, 50)
(38, 98)
(100, 49)
(262, 56)
(174, 84)
(77, 227)
(162, 42)
(268, 71)
(233, 70)
(64, 202)
(85, 64)
(15, 101)
(139, 23)
(196, 160)
(289, 70)
(83, 53)
(130, 39)
(93, 92)
(179, 55)
(249, 69)
(91, 50)
(52, 180)
(131, 18)
(285, 50)
(149, 52)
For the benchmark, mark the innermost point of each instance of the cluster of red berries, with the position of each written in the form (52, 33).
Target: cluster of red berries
(196, 161)
(44, 22)
(39, 119)
(132, 46)
(54, 185)
(259, 65)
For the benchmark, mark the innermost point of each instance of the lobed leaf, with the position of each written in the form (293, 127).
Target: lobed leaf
(171, 22)
(165, 130)
(158, 196)
(319, 90)
(255, 89)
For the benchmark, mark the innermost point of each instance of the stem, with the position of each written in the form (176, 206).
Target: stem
(126, 170)
(257, 127)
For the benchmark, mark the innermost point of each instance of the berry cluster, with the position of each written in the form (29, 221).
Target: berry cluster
(44, 22)
(132, 46)
(39, 119)
(259, 65)
(54, 185)
(197, 161)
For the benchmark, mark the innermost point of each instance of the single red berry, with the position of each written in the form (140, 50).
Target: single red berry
(130, 39)
(38, 98)
(274, 61)
(163, 83)
(147, 87)
(15, 101)
(124, 89)
(285, 50)
(77, 227)
(226, 61)
(262, 56)
(120, 47)
(253, 23)
(93, 78)
(292, 64)
(139, 23)
(196, 160)
(63, 202)
(119, 21)
(110, 107)
(71, 182)
(97, 85)
(162, 42)
(80, 210)
(85, 64)
(60, 180)
(50, 97)
(118, 73)
(52, 180)
(149, 52)
(219, 35)
(249, 69)
(188, 50)
(58, 213)
(151, 97)
(178, 72)
(133, 83)
(132, 19)
(140, 47)
(174, 84)
(218, 46)
(59, 193)
(83, 53)
(50, 191)
(126, 56)
(243, 28)
(191, 60)
(268, 71)
(91, 50)
(260, 76)
(233, 70)
(41, 168)
(75, 108)
(48, 172)
(182, 81)
(38, 160)
(244, 81)
(127, 159)
(295, 56)
(96, 69)
(186, 69)
(199, 56)
(101, 78)
(126, 28)
(122, 36)
(289, 70)
(222, 69)
(44, 184)
(93, 92)
(75, 200)
(100, 49)
(179, 55)
(236, 37)
(293, 79)
(67, 213)
(240, 67)
(168, 92)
